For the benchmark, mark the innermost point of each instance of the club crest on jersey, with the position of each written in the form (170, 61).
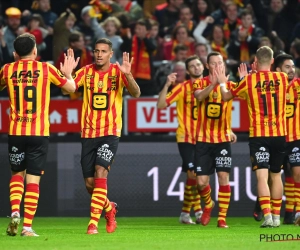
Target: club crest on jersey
(215, 95)
(288, 96)
(100, 84)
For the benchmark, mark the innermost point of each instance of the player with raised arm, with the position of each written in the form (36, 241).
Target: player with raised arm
(28, 85)
(186, 107)
(265, 92)
(213, 136)
(101, 124)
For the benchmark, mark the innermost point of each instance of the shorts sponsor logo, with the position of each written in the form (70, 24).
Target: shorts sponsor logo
(14, 158)
(294, 157)
(223, 161)
(191, 165)
(224, 152)
(262, 157)
(295, 149)
(262, 148)
(105, 153)
(199, 169)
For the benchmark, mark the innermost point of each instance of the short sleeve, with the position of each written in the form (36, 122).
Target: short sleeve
(55, 76)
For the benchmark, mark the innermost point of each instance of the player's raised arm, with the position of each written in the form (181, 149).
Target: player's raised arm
(161, 101)
(132, 87)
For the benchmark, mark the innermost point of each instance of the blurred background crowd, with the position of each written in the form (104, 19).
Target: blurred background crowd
(159, 34)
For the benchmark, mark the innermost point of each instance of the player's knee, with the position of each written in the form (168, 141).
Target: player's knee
(101, 172)
(296, 176)
(223, 178)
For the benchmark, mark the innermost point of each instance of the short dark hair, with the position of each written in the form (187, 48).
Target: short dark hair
(74, 37)
(180, 47)
(214, 53)
(189, 59)
(24, 44)
(279, 60)
(105, 41)
(144, 22)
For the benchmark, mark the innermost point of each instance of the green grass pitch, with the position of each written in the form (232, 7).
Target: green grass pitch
(149, 233)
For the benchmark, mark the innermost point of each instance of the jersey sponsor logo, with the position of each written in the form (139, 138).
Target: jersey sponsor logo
(267, 85)
(25, 74)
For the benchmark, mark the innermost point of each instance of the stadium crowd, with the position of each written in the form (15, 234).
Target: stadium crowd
(157, 33)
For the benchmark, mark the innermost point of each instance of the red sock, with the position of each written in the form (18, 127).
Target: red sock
(30, 203)
(205, 195)
(224, 200)
(289, 194)
(98, 200)
(16, 189)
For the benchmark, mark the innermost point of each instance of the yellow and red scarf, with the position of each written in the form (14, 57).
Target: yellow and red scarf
(244, 56)
(220, 49)
(140, 67)
(227, 30)
(189, 26)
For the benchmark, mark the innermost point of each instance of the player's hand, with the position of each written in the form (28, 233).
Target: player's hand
(254, 67)
(219, 74)
(126, 64)
(242, 69)
(70, 53)
(171, 79)
(69, 62)
(233, 137)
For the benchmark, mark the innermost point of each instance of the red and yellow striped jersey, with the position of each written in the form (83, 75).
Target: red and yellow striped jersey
(186, 106)
(214, 115)
(102, 100)
(265, 92)
(293, 111)
(28, 86)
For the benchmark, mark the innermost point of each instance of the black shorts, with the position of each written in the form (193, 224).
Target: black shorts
(98, 151)
(267, 152)
(212, 156)
(28, 153)
(187, 153)
(293, 153)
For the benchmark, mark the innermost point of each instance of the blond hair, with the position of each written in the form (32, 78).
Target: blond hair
(113, 19)
(264, 55)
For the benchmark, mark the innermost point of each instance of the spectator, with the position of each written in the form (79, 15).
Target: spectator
(109, 29)
(76, 42)
(180, 36)
(295, 52)
(167, 67)
(231, 21)
(245, 40)
(186, 18)
(12, 29)
(142, 47)
(154, 34)
(36, 27)
(84, 26)
(168, 16)
(63, 28)
(132, 10)
(276, 44)
(201, 9)
(43, 8)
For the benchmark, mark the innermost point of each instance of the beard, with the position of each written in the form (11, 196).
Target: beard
(196, 75)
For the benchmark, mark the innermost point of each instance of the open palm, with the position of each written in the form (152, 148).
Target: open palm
(126, 64)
